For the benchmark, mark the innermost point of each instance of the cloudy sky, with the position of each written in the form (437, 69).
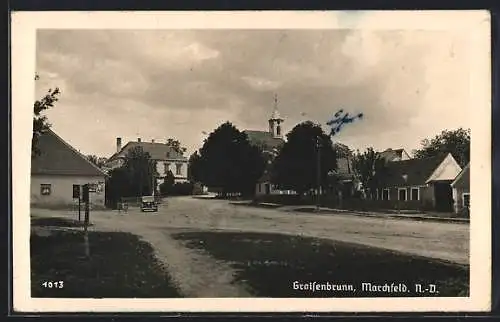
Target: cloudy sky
(159, 84)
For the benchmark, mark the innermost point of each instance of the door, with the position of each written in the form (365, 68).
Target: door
(268, 189)
(443, 196)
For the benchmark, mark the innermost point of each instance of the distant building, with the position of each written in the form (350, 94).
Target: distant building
(461, 190)
(419, 183)
(163, 155)
(58, 169)
(391, 155)
(270, 142)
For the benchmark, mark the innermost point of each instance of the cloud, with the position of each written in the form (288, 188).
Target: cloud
(181, 82)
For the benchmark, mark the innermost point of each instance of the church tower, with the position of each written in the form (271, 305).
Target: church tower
(275, 121)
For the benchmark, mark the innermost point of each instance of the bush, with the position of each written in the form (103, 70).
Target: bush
(179, 189)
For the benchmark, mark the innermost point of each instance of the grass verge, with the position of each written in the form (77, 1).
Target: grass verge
(270, 264)
(120, 266)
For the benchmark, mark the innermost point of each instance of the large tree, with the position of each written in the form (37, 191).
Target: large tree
(367, 166)
(228, 161)
(296, 166)
(456, 142)
(141, 171)
(194, 170)
(40, 122)
(117, 186)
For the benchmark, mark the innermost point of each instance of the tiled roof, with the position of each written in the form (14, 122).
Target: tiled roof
(463, 178)
(264, 139)
(417, 171)
(157, 151)
(59, 158)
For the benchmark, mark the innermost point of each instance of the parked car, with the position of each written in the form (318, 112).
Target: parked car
(148, 203)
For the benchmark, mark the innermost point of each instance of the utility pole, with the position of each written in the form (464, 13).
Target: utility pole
(318, 174)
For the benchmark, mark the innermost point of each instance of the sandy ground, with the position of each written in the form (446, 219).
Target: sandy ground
(199, 275)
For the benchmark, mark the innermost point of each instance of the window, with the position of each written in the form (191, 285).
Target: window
(377, 197)
(402, 194)
(415, 193)
(385, 194)
(168, 154)
(178, 168)
(466, 200)
(166, 165)
(45, 189)
(278, 130)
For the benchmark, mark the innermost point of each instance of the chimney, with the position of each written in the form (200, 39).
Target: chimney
(118, 144)
(139, 140)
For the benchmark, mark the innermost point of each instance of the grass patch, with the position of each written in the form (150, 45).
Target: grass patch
(120, 266)
(270, 263)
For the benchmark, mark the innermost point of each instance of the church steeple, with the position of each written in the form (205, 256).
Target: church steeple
(275, 120)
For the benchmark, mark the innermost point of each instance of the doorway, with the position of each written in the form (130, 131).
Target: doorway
(443, 196)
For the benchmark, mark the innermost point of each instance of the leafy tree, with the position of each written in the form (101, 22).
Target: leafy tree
(97, 161)
(194, 171)
(296, 166)
(367, 166)
(40, 122)
(168, 183)
(228, 161)
(456, 142)
(141, 171)
(117, 186)
(176, 145)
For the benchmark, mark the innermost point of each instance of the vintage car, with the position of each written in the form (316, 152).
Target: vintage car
(148, 203)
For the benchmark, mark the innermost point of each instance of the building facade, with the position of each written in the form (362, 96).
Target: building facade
(418, 183)
(56, 172)
(461, 191)
(164, 157)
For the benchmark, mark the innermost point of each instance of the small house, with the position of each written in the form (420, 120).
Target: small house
(461, 190)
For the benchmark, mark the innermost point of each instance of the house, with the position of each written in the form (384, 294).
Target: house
(270, 142)
(165, 159)
(418, 183)
(391, 155)
(58, 170)
(461, 190)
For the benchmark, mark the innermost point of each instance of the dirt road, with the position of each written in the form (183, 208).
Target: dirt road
(199, 275)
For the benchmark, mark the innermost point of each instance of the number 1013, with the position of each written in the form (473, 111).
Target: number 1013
(53, 284)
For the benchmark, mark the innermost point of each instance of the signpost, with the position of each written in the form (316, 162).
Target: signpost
(86, 199)
(77, 194)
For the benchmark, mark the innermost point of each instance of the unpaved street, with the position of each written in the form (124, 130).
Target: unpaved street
(200, 275)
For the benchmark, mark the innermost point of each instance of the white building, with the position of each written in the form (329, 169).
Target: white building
(164, 156)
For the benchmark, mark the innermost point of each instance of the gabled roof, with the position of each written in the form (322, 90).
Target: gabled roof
(391, 154)
(57, 157)
(157, 151)
(417, 171)
(264, 139)
(463, 178)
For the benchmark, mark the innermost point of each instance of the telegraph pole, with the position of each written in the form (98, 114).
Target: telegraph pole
(318, 174)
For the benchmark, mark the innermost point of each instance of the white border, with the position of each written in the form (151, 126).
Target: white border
(475, 23)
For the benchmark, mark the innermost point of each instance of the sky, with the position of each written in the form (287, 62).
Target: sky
(159, 84)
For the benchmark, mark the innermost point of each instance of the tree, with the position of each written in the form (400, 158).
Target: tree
(367, 166)
(40, 122)
(97, 161)
(456, 142)
(117, 186)
(176, 146)
(296, 166)
(228, 161)
(194, 171)
(168, 183)
(141, 172)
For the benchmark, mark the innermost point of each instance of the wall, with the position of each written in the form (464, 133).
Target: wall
(458, 202)
(182, 177)
(425, 202)
(273, 191)
(62, 190)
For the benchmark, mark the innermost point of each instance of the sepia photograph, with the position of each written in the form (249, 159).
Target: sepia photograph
(232, 158)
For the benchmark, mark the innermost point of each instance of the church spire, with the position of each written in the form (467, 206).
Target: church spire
(275, 120)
